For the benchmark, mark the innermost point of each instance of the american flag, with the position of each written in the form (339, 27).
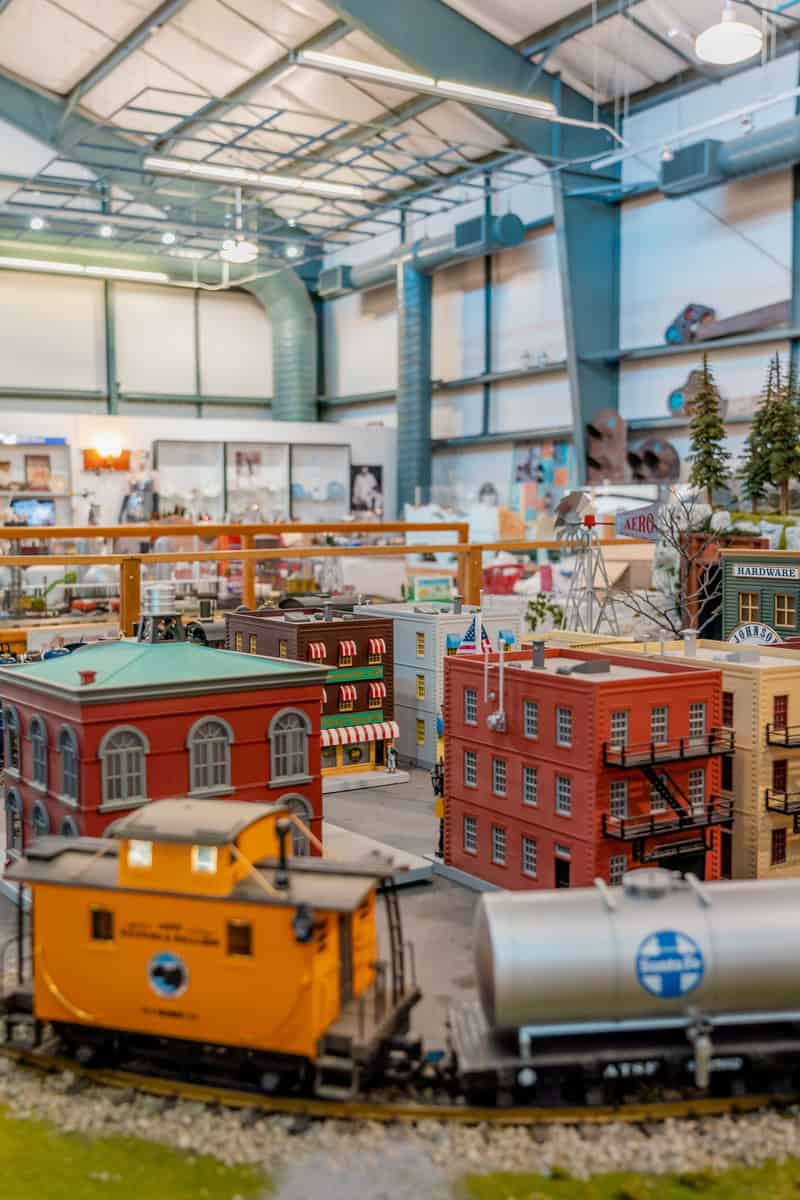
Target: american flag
(469, 641)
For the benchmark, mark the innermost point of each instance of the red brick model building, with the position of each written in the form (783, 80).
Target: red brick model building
(582, 765)
(95, 734)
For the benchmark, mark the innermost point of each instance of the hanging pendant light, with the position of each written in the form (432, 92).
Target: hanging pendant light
(728, 42)
(238, 249)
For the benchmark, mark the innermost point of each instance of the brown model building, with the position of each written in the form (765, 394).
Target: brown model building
(357, 724)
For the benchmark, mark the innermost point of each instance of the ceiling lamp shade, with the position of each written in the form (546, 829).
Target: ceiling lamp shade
(238, 251)
(730, 41)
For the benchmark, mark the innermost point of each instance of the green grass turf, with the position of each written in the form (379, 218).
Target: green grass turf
(39, 1163)
(770, 1182)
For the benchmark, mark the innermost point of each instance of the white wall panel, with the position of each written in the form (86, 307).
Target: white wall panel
(527, 314)
(51, 332)
(539, 403)
(729, 248)
(361, 342)
(459, 474)
(379, 413)
(457, 414)
(235, 345)
(155, 339)
(458, 321)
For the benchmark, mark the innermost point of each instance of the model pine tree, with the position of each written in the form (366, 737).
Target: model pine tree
(782, 431)
(707, 454)
(754, 471)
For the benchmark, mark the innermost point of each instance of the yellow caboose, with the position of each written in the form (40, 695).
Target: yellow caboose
(190, 936)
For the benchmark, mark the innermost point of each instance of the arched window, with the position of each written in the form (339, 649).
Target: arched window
(123, 756)
(40, 819)
(209, 744)
(13, 820)
(37, 735)
(302, 809)
(69, 827)
(68, 750)
(288, 738)
(11, 760)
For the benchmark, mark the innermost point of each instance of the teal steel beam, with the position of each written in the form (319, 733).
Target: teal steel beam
(131, 42)
(794, 317)
(112, 383)
(487, 319)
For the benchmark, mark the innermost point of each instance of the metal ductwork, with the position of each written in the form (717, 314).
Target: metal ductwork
(469, 239)
(710, 162)
(294, 344)
(414, 303)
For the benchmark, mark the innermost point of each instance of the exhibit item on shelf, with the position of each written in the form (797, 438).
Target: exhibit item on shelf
(320, 482)
(542, 472)
(5, 474)
(257, 481)
(366, 489)
(37, 472)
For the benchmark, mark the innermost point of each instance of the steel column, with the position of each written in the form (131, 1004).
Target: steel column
(112, 383)
(414, 293)
(794, 318)
(487, 320)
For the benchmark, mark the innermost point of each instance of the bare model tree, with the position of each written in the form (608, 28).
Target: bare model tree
(688, 586)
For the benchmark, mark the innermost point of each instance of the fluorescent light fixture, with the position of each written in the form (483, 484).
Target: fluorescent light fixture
(168, 238)
(37, 223)
(106, 231)
(492, 99)
(187, 168)
(62, 268)
(363, 70)
(728, 42)
(239, 251)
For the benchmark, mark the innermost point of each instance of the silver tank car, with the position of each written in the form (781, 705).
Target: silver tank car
(659, 948)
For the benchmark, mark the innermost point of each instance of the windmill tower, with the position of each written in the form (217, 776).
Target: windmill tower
(587, 607)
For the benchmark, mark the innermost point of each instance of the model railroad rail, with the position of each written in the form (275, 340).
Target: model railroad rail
(404, 1112)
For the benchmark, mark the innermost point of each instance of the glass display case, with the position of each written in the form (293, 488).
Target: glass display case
(320, 483)
(257, 481)
(191, 479)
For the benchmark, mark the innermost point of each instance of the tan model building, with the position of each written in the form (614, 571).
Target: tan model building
(761, 703)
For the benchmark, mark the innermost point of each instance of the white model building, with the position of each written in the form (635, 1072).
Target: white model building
(424, 634)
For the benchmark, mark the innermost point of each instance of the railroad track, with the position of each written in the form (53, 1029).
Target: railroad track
(406, 1112)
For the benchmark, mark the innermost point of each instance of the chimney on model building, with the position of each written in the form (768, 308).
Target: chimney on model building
(690, 643)
(537, 655)
(328, 612)
(457, 604)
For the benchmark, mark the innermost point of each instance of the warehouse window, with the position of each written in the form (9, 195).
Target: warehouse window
(288, 738)
(697, 788)
(13, 820)
(498, 845)
(780, 712)
(420, 687)
(122, 755)
(37, 735)
(420, 644)
(470, 768)
(530, 716)
(68, 749)
(697, 719)
(470, 706)
(727, 709)
(617, 866)
(102, 925)
(530, 785)
(420, 731)
(780, 775)
(471, 835)
(748, 606)
(346, 699)
(727, 773)
(347, 651)
(240, 939)
(619, 728)
(499, 776)
(301, 809)
(69, 827)
(140, 854)
(376, 649)
(563, 726)
(209, 743)
(778, 854)
(619, 799)
(40, 820)
(785, 609)
(563, 795)
(659, 724)
(283, 648)
(204, 860)
(11, 739)
(529, 856)
(252, 643)
(238, 641)
(657, 801)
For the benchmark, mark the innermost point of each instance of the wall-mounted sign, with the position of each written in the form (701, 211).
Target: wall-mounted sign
(759, 571)
(755, 632)
(638, 523)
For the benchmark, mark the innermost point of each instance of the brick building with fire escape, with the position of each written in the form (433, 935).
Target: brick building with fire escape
(564, 765)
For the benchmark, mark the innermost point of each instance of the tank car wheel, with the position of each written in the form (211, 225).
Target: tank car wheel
(270, 1082)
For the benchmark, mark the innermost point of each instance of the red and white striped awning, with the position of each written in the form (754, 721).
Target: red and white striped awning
(324, 695)
(317, 650)
(347, 649)
(377, 690)
(380, 731)
(348, 692)
(377, 646)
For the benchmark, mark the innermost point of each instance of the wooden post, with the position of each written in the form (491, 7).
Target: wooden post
(248, 573)
(130, 593)
(474, 575)
(461, 561)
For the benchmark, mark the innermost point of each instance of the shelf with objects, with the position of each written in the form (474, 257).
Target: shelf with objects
(35, 482)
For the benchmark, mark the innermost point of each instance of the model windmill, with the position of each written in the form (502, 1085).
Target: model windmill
(587, 608)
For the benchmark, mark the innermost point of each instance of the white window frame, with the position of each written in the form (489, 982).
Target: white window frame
(11, 721)
(563, 726)
(530, 718)
(209, 766)
(205, 860)
(563, 803)
(470, 706)
(529, 852)
(470, 835)
(696, 788)
(40, 827)
(657, 801)
(107, 752)
(470, 768)
(69, 767)
(499, 845)
(37, 736)
(698, 708)
(301, 808)
(619, 727)
(617, 868)
(140, 854)
(618, 799)
(659, 724)
(499, 777)
(530, 795)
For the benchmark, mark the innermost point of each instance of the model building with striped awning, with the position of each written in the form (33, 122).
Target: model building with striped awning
(357, 721)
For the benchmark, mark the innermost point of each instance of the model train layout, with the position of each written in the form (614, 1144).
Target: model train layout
(191, 939)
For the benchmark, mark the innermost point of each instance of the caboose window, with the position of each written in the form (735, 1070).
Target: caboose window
(204, 859)
(240, 938)
(102, 925)
(140, 854)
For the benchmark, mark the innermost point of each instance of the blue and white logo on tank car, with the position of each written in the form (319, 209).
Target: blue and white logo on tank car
(168, 974)
(669, 964)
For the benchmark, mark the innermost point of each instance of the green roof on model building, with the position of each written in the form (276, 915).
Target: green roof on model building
(136, 667)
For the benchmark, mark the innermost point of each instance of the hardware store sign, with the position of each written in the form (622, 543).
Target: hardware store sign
(751, 571)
